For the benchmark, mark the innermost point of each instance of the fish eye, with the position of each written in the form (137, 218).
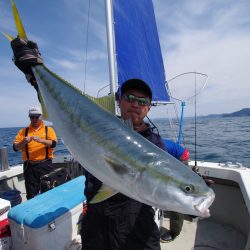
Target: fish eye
(188, 188)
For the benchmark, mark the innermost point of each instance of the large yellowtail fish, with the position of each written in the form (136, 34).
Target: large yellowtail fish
(117, 155)
(121, 158)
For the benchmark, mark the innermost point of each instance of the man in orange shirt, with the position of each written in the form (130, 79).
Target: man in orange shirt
(37, 143)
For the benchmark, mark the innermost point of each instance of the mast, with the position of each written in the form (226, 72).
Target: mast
(111, 45)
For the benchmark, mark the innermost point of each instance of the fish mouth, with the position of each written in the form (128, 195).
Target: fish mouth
(205, 213)
(203, 206)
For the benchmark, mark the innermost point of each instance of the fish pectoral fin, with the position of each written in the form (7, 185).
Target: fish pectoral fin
(103, 194)
(117, 166)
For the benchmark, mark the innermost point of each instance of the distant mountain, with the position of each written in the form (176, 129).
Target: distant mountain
(242, 112)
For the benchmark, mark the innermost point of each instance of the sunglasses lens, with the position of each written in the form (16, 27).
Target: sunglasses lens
(34, 116)
(131, 98)
(141, 100)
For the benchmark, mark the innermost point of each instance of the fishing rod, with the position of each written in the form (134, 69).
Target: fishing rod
(195, 127)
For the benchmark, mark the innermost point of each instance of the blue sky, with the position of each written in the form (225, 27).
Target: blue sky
(210, 37)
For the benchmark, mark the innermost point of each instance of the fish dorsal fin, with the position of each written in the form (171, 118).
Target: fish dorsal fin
(45, 114)
(128, 122)
(103, 194)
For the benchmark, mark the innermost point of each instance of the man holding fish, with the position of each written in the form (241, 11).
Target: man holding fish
(133, 225)
(133, 176)
(121, 222)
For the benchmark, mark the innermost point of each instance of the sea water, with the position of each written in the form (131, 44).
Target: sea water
(218, 139)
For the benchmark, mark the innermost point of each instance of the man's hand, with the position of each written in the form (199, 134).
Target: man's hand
(26, 140)
(18, 146)
(36, 138)
(26, 55)
(47, 143)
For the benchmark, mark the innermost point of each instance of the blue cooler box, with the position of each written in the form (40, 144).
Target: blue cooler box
(50, 220)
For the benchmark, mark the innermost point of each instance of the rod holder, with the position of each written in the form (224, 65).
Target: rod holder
(4, 164)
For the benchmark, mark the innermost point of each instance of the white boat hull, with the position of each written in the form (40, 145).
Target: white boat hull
(229, 225)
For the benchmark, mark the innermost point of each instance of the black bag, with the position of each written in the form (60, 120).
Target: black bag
(54, 179)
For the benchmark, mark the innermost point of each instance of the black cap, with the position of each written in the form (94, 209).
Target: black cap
(136, 84)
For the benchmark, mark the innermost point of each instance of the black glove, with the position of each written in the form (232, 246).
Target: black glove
(26, 54)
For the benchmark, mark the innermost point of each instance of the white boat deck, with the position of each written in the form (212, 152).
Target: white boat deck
(210, 235)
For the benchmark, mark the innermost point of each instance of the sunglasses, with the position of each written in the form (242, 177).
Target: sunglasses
(35, 116)
(143, 101)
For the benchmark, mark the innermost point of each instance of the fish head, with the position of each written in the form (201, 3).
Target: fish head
(185, 192)
(195, 197)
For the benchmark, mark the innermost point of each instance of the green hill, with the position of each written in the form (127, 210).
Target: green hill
(242, 112)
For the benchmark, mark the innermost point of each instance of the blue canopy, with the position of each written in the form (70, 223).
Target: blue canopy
(138, 52)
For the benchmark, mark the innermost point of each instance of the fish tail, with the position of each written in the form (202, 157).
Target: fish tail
(9, 37)
(18, 21)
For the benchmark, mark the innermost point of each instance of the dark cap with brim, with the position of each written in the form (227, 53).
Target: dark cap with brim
(136, 84)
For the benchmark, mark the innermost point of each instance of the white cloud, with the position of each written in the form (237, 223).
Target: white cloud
(66, 64)
(211, 37)
(217, 46)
